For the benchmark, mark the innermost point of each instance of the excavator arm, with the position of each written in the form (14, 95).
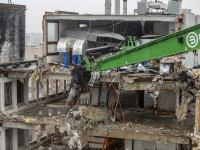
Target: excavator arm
(183, 41)
(180, 42)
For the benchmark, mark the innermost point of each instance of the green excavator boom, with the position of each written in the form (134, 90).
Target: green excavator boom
(182, 41)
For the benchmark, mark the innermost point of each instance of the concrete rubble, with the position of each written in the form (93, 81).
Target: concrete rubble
(85, 121)
(181, 112)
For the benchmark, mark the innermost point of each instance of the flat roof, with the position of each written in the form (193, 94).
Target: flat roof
(163, 18)
(12, 7)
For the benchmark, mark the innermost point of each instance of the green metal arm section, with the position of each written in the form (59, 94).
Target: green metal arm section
(180, 42)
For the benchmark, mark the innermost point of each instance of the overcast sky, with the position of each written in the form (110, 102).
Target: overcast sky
(37, 8)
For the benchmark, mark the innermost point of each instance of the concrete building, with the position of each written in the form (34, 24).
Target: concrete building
(33, 92)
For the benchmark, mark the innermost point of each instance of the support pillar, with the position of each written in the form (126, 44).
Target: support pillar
(61, 86)
(53, 86)
(95, 97)
(197, 121)
(177, 103)
(57, 87)
(44, 88)
(14, 94)
(37, 91)
(143, 25)
(3, 138)
(47, 86)
(65, 87)
(2, 94)
(15, 138)
(68, 82)
(26, 92)
(130, 144)
(26, 138)
(33, 89)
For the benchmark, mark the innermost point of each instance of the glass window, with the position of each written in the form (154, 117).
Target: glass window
(52, 48)
(52, 31)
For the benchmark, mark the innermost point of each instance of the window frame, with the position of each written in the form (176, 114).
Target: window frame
(52, 42)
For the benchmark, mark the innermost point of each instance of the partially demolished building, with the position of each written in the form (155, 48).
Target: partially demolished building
(153, 105)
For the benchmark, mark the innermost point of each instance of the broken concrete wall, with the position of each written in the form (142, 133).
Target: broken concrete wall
(167, 100)
(12, 32)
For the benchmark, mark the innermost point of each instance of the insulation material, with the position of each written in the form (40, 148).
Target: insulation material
(79, 47)
(12, 32)
(65, 44)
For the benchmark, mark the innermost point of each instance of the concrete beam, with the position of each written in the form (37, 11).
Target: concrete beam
(163, 18)
(145, 85)
(144, 137)
(19, 75)
(56, 76)
(19, 125)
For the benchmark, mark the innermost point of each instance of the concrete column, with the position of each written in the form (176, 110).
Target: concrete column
(143, 24)
(44, 89)
(197, 121)
(26, 138)
(130, 144)
(53, 86)
(65, 86)
(61, 85)
(15, 138)
(107, 7)
(68, 82)
(2, 94)
(57, 87)
(3, 138)
(47, 86)
(38, 92)
(117, 7)
(14, 94)
(26, 91)
(95, 97)
(33, 89)
(34, 136)
(124, 7)
(177, 99)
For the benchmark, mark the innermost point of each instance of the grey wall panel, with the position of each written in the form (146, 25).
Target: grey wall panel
(12, 32)
(161, 28)
(188, 21)
(197, 19)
